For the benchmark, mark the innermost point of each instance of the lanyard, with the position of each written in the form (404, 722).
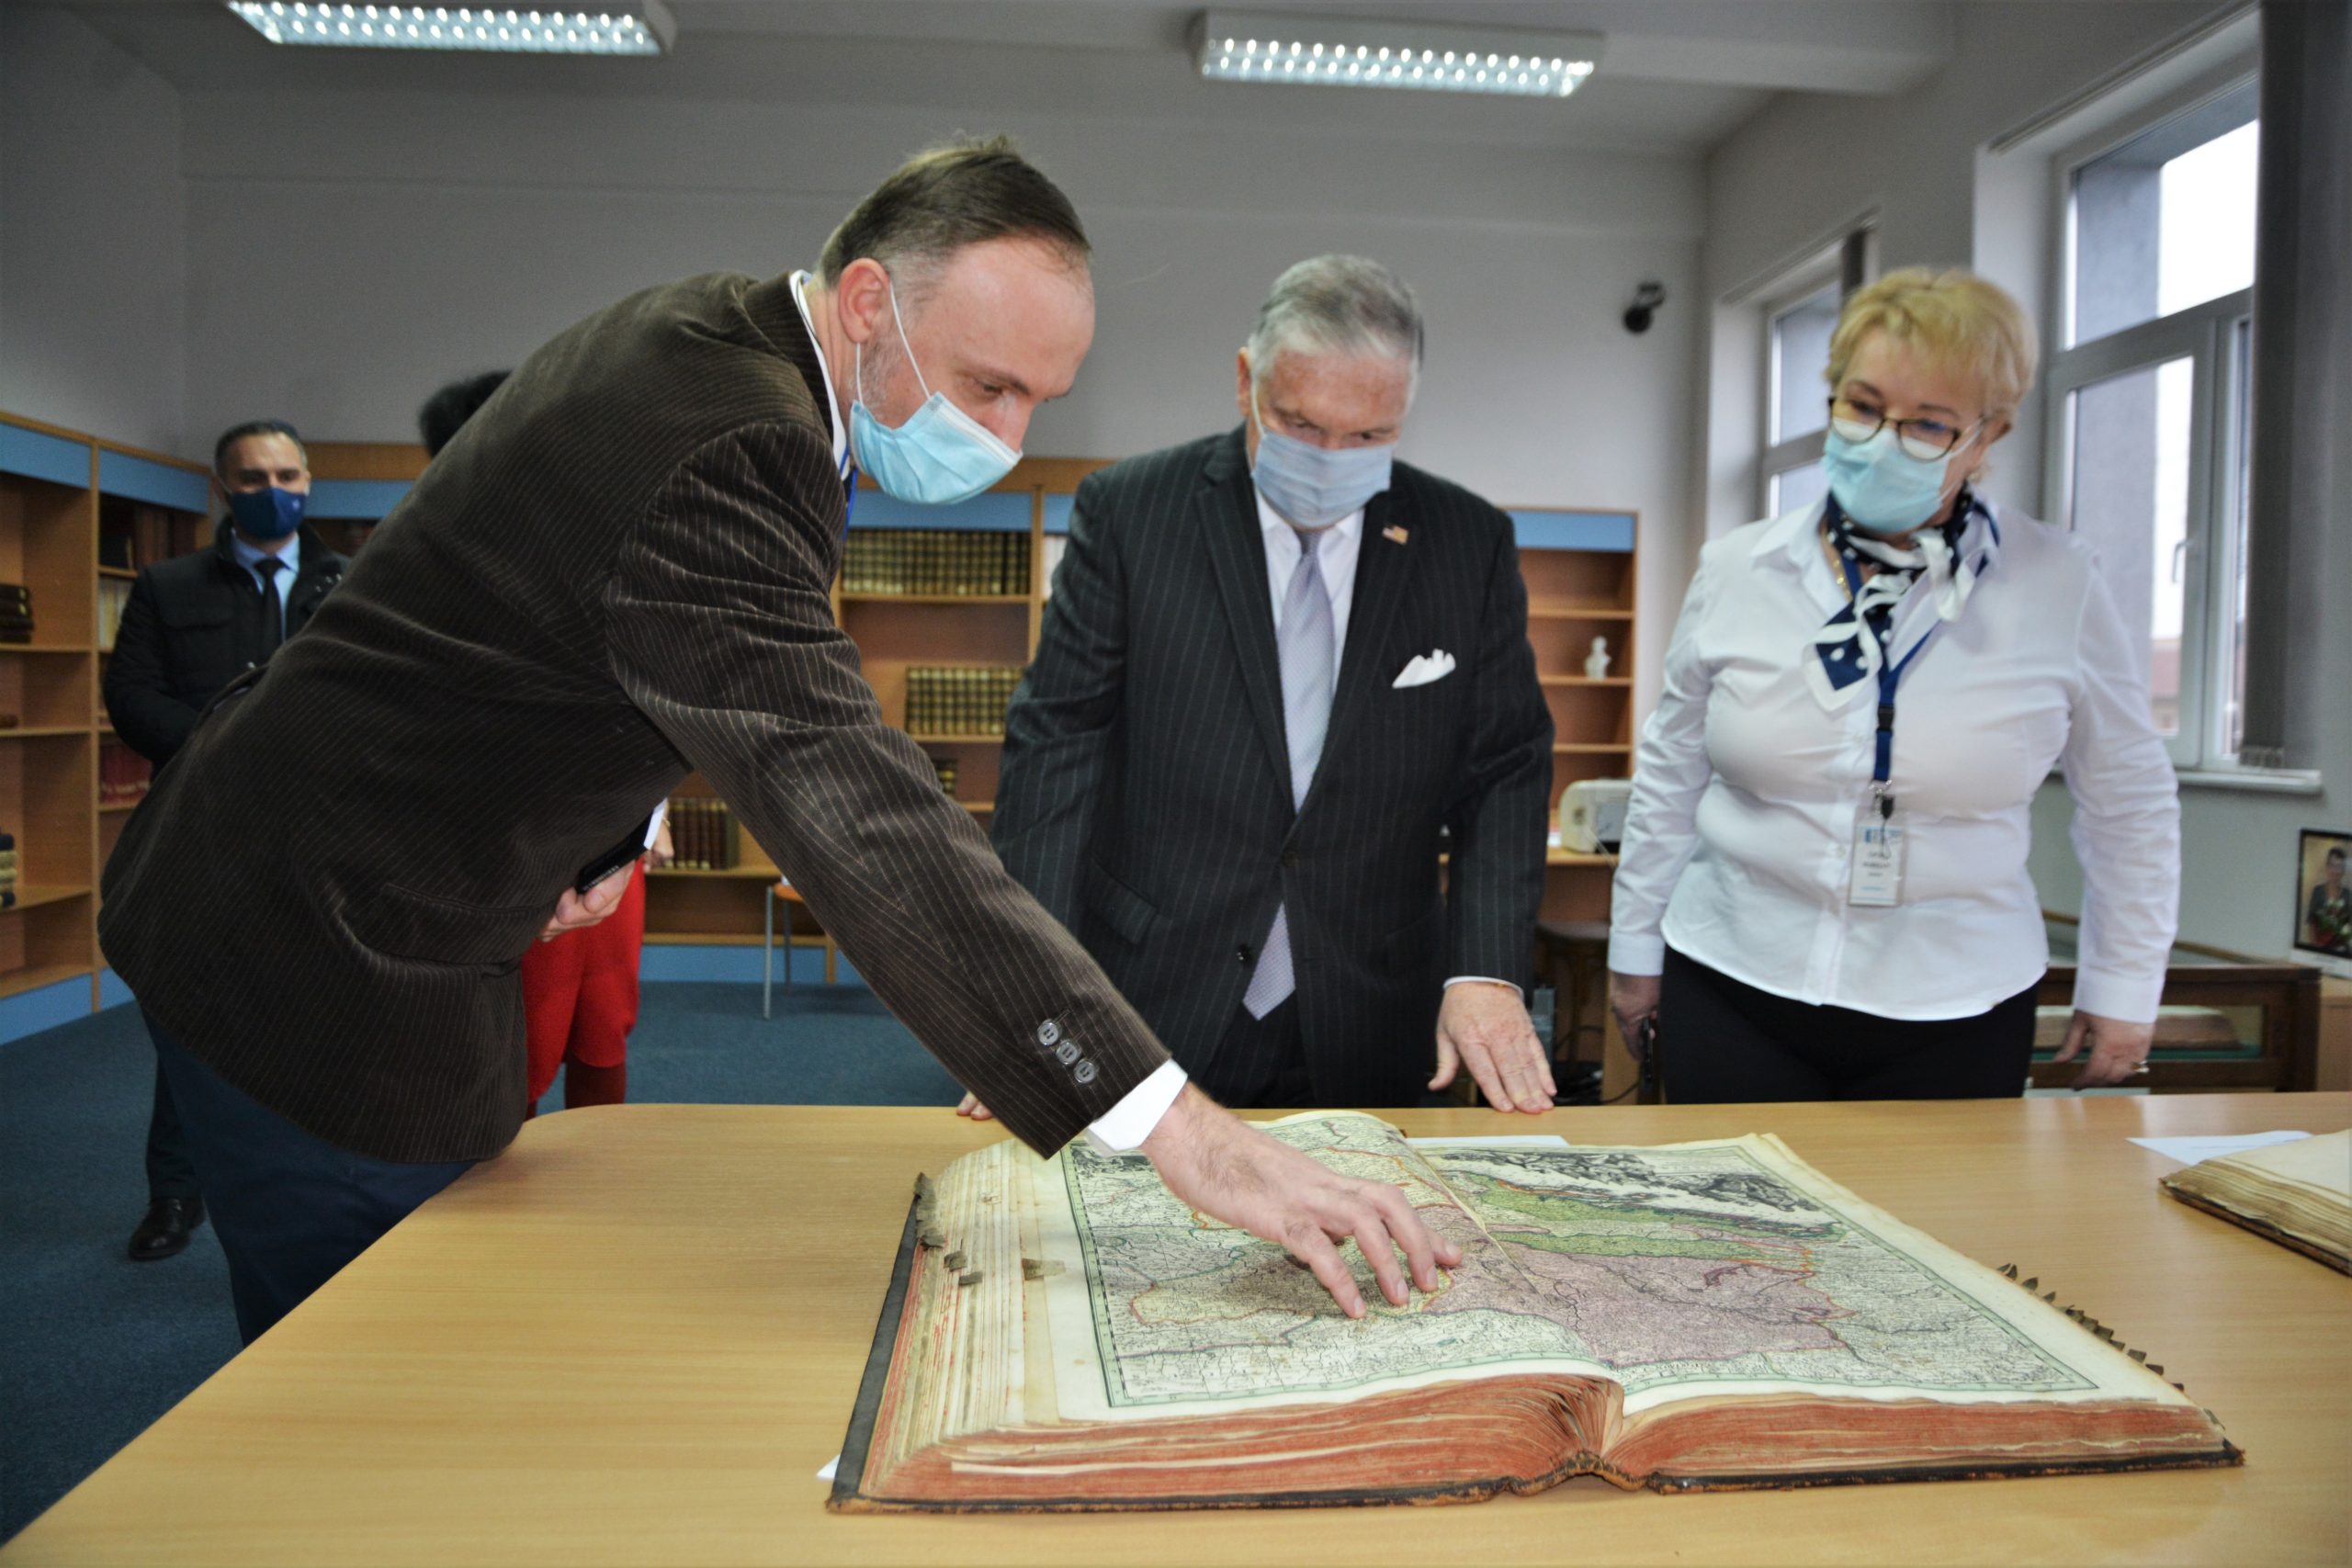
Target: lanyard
(1890, 675)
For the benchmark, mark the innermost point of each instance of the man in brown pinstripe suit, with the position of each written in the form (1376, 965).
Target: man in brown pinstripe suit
(619, 572)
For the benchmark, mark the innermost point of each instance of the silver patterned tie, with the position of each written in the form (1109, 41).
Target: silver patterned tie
(1309, 653)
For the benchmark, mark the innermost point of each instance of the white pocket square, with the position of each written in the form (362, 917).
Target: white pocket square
(1434, 665)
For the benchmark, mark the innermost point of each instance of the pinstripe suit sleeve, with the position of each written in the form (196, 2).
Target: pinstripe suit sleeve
(1057, 732)
(721, 634)
(1498, 818)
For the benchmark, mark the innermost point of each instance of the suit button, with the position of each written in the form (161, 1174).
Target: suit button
(1242, 954)
(1291, 859)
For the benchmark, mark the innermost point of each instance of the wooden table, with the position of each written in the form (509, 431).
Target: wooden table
(634, 1337)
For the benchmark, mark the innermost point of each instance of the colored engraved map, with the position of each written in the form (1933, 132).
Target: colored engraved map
(1651, 1267)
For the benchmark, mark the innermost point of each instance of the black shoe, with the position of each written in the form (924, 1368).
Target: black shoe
(165, 1232)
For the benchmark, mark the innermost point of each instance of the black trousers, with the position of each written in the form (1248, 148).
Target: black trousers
(1259, 1063)
(290, 1209)
(1722, 1042)
(170, 1172)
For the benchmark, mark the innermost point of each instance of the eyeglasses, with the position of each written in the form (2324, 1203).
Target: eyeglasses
(1926, 439)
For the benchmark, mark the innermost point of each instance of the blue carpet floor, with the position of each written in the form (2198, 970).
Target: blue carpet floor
(94, 1346)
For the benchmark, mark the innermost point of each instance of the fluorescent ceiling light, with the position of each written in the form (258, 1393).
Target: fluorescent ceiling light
(644, 26)
(1335, 51)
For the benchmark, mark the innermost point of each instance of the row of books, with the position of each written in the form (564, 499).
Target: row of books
(153, 534)
(957, 561)
(7, 870)
(114, 593)
(945, 767)
(959, 702)
(16, 613)
(123, 775)
(704, 834)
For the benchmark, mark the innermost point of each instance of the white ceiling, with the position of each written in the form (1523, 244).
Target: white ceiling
(1676, 76)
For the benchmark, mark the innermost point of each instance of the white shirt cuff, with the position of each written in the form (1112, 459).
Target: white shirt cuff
(1124, 1128)
(1483, 980)
(1630, 955)
(2131, 998)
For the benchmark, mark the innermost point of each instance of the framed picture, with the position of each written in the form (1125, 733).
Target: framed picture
(2323, 901)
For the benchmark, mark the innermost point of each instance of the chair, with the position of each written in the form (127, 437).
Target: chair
(785, 891)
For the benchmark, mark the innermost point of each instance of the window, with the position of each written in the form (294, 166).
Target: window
(1799, 317)
(2149, 397)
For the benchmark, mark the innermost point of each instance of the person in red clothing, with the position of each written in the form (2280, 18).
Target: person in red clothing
(580, 987)
(580, 998)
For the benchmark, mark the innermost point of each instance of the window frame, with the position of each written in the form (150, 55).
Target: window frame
(2207, 335)
(1845, 265)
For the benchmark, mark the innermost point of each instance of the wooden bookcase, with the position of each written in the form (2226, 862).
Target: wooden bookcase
(61, 492)
(1579, 564)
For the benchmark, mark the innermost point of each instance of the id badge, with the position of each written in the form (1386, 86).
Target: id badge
(1878, 863)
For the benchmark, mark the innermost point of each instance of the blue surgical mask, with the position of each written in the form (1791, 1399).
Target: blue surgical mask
(267, 514)
(1312, 487)
(1882, 487)
(940, 455)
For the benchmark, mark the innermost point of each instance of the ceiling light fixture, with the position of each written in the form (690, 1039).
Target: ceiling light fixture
(1334, 51)
(642, 27)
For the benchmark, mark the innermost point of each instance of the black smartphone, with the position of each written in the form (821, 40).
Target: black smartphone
(612, 859)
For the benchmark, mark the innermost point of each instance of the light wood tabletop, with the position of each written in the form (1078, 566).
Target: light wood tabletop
(634, 1337)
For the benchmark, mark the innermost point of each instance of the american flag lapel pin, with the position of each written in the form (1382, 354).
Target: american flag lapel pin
(1395, 533)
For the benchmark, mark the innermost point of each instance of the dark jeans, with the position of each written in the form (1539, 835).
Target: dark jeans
(290, 1209)
(170, 1172)
(1259, 1063)
(1722, 1042)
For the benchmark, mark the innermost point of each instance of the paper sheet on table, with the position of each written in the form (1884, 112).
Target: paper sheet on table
(2190, 1151)
(830, 1466)
(1510, 1140)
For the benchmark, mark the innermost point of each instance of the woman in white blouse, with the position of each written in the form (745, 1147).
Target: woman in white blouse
(1822, 892)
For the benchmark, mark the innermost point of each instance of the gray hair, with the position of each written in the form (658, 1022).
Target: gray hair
(1337, 305)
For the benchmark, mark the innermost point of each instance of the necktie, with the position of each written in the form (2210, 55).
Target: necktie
(272, 612)
(1309, 654)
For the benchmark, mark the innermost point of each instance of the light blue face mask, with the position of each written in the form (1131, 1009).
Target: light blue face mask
(1312, 487)
(940, 455)
(1882, 487)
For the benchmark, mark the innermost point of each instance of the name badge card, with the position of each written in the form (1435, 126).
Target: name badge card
(1877, 880)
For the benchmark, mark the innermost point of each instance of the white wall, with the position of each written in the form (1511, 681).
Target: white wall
(1804, 168)
(92, 253)
(349, 252)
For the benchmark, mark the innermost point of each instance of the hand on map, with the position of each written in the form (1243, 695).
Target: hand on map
(970, 1106)
(2118, 1051)
(1220, 1165)
(1483, 1026)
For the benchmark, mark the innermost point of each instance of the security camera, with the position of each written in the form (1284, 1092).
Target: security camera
(1644, 309)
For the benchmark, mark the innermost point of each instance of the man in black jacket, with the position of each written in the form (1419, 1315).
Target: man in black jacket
(192, 626)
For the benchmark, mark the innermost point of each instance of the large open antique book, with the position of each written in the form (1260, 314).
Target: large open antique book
(2298, 1194)
(1064, 1333)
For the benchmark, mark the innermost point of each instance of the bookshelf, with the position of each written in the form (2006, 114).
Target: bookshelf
(1579, 564)
(75, 511)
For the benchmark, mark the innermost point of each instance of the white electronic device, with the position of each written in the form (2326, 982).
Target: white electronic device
(1592, 815)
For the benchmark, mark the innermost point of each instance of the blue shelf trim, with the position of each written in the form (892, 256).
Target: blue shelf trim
(717, 961)
(158, 484)
(367, 499)
(112, 992)
(1058, 511)
(990, 512)
(43, 457)
(1574, 530)
(30, 1013)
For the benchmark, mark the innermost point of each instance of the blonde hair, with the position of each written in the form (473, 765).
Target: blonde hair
(1954, 317)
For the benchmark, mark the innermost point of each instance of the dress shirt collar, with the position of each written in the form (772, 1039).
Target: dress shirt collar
(824, 373)
(248, 555)
(1794, 537)
(1273, 523)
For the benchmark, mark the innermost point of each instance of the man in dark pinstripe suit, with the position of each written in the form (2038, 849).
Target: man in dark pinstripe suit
(616, 571)
(1276, 667)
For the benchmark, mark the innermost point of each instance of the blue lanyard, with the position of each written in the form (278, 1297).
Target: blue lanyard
(1890, 675)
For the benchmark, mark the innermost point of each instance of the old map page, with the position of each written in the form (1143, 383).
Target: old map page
(1678, 1271)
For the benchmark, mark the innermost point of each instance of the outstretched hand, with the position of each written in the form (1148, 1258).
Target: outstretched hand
(1225, 1168)
(2118, 1051)
(1483, 1026)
